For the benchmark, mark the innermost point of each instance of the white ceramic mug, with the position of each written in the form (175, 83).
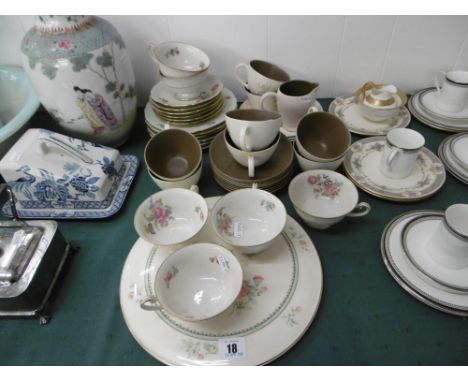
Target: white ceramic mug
(253, 130)
(453, 94)
(449, 244)
(294, 99)
(260, 76)
(400, 153)
(254, 101)
(251, 159)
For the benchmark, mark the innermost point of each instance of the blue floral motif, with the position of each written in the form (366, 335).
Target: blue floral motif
(51, 190)
(108, 167)
(71, 167)
(85, 185)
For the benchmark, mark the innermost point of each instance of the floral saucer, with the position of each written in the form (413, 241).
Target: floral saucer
(347, 108)
(281, 293)
(291, 135)
(408, 277)
(362, 162)
(86, 210)
(415, 238)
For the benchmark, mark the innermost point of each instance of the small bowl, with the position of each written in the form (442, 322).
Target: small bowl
(379, 113)
(323, 198)
(171, 217)
(307, 164)
(196, 283)
(179, 60)
(321, 136)
(248, 220)
(173, 155)
(19, 103)
(186, 183)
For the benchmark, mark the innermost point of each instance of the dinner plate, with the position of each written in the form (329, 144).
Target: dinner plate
(407, 276)
(447, 156)
(347, 109)
(279, 298)
(459, 149)
(415, 239)
(108, 207)
(428, 101)
(155, 123)
(362, 162)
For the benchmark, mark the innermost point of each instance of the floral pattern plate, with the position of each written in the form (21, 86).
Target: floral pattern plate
(347, 109)
(110, 205)
(408, 277)
(281, 293)
(361, 165)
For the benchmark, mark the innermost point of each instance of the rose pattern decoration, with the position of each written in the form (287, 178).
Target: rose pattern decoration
(199, 211)
(158, 216)
(224, 222)
(251, 289)
(170, 274)
(324, 185)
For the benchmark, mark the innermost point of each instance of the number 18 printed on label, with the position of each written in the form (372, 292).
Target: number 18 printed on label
(229, 348)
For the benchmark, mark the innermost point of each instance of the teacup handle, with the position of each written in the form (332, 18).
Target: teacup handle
(361, 209)
(151, 48)
(243, 138)
(436, 80)
(251, 165)
(264, 97)
(391, 157)
(150, 303)
(194, 188)
(237, 73)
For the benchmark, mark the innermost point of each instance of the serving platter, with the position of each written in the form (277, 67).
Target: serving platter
(281, 293)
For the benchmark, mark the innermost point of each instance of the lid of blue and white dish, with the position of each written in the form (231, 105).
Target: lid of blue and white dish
(44, 167)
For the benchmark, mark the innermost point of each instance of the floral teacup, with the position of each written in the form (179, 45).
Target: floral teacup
(323, 198)
(171, 217)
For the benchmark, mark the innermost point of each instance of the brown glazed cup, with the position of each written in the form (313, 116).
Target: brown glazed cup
(173, 154)
(321, 136)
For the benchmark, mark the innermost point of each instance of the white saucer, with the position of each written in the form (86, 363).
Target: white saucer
(452, 162)
(415, 238)
(428, 100)
(408, 277)
(362, 162)
(165, 95)
(424, 115)
(156, 124)
(277, 304)
(291, 135)
(347, 109)
(459, 148)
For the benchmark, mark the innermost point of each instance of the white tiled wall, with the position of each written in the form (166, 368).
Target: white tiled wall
(339, 52)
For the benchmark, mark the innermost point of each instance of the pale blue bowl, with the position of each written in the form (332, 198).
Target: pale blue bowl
(18, 103)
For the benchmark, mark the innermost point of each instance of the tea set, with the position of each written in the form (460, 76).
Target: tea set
(199, 263)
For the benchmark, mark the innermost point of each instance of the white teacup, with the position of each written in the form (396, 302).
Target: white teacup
(295, 99)
(453, 94)
(449, 244)
(254, 101)
(250, 159)
(197, 282)
(400, 153)
(323, 198)
(260, 76)
(253, 130)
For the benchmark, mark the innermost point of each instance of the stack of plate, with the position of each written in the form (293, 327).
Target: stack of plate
(271, 176)
(423, 106)
(453, 151)
(404, 250)
(202, 127)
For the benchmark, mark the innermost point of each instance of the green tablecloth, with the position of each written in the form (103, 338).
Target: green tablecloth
(364, 318)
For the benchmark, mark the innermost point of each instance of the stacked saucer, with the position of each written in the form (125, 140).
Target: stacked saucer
(424, 107)
(426, 252)
(271, 176)
(453, 151)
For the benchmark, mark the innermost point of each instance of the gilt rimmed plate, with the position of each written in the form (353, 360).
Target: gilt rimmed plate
(408, 277)
(362, 162)
(155, 123)
(87, 209)
(421, 113)
(347, 108)
(163, 94)
(281, 293)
